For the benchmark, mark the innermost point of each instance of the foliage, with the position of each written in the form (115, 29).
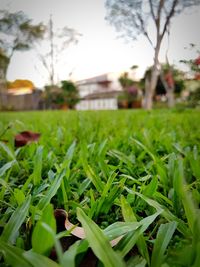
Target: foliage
(17, 34)
(70, 93)
(115, 173)
(194, 64)
(66, 94)
(131, 91)
(50, 95)
(125, 81)
(194, 98)
(4, 59)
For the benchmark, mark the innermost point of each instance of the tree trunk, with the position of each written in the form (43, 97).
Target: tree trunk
(148, 96)
(2, 82)
(170, 97)
(52, 82)
(4, 63)
(151, 84)
(169, 90)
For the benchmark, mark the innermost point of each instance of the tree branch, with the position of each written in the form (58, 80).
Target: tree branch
(152, 11)
(159, 16)
(161, 4)
(44, 62)
(170, 15)
(12, 52)
(143, 29)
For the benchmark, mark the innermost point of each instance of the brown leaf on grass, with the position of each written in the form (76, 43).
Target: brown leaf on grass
(63, 223)
(66, 241)
(25, 138)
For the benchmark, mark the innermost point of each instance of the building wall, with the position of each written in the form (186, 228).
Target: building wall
(95, 84)
(86, 89)
(97, 104)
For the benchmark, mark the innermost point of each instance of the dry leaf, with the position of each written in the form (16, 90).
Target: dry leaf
(63, 223)
(25, 138)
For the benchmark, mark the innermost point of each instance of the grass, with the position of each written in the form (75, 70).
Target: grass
(130, 174)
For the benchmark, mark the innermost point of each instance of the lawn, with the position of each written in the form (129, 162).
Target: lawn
(128, 181)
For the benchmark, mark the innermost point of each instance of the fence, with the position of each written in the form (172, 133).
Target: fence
(20, 102)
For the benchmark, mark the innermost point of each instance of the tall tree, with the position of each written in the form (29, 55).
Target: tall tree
(17, 33)
(133, 17)
(56, 43)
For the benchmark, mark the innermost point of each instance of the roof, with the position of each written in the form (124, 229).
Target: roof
(97, 79)
(102, 94)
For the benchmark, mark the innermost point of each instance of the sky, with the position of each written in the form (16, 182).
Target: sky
(99, 49)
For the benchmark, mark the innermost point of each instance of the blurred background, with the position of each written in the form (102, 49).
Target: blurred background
(98, 54)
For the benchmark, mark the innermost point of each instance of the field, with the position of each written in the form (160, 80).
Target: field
(130, 179)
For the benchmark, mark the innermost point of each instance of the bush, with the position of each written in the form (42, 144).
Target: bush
(194, 98)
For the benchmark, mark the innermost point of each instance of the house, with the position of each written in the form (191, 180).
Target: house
(100, 92)
(22, 98)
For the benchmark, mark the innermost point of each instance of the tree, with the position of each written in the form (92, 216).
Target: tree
(125, 81)
(70, 93)
(57, 41)
(4, 62)
(17, 34)
(66, 95)
(133, 17)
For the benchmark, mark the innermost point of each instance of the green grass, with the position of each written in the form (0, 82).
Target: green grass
(130, 173)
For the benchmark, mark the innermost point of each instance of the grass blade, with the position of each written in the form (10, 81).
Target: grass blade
(38, 260)
(13, 255)
(93, 177)
(6, 167)
(69, 256)
(51, 190)
(127, 243)
(129, 216)
(120, 228)
(42, 240)
(185, 195)
(98, 242)
(144, 148)
(37, 169)
(16, 220)
(165, 212)
(8, 151)
(163, 238)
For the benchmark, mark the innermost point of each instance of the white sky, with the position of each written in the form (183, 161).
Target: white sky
(99, 50)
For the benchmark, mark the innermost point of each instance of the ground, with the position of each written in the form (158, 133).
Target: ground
(116, 173)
